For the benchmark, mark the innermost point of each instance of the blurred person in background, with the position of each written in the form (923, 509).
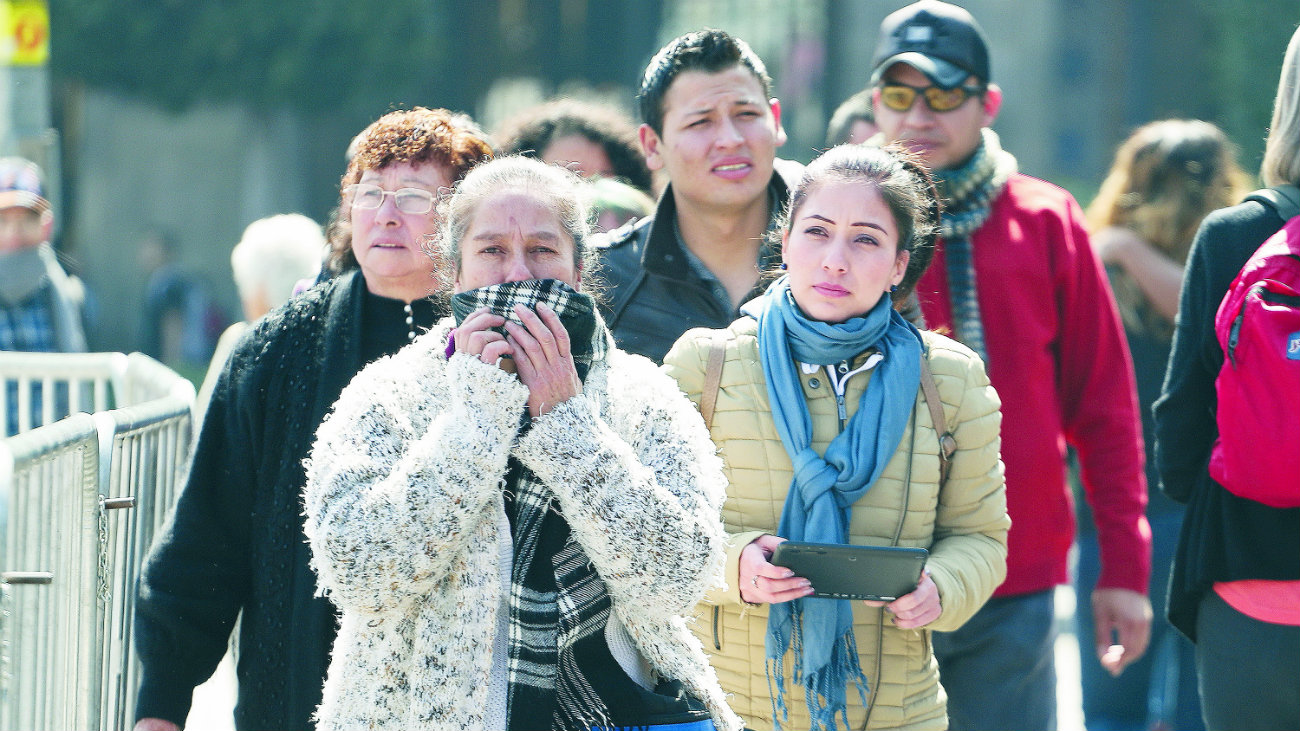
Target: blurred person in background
(1235, 588)
(269, 261)
(42, 307)
(616, 203)
(589, 138)
(712, 126)
(1165, 178)
(234, 546)
(1014, 279)
(853, 122)
(181, 321)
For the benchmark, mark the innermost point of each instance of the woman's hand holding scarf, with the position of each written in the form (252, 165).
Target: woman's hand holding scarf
(543, 358)
(477, 337)
(539, 351)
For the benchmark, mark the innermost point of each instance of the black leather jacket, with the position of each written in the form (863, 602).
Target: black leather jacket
(652, 294)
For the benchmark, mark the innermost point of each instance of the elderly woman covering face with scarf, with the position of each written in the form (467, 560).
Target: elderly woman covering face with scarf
(827, 437)
(513, 514)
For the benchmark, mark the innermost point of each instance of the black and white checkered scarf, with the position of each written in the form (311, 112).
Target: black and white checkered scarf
(588, 337)
(558, 604)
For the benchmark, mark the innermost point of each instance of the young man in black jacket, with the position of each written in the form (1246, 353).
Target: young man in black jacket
(711, 125)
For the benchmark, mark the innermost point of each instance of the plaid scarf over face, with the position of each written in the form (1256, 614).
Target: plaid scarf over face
(589, 340)
(558, 604)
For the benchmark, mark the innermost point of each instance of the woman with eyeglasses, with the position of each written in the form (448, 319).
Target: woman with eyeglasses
(825, 406)
(235, 547)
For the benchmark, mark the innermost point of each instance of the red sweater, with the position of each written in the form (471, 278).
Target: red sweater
(1059, 361)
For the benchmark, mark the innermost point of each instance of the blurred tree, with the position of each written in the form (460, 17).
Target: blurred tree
(309, 58)
(1249, 38)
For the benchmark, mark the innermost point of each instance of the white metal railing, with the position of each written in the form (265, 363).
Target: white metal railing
(41, 388)
(51, 620)
(68, 590)
(150, 446)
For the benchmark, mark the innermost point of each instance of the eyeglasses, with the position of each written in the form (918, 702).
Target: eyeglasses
(899, 97)
(415, 201)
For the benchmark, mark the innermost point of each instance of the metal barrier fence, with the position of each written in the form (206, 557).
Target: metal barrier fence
(51, 622)
(80, 501)
(89, 382)
(150, 447)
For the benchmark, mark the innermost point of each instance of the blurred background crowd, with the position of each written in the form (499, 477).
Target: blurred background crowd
(165, 128)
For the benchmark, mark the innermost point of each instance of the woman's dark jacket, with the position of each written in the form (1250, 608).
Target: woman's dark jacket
(235, 541)
(1224, 537)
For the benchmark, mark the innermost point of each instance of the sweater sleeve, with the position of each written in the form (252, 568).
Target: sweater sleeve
(968, 558)
(404, 472)
(196, 577)
(640, 485)
(1098, 398)
(1184, 424)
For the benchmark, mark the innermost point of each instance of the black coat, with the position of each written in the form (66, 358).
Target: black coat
(1224, 537)
(235, 542)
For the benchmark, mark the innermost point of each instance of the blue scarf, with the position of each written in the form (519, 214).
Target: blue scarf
(824, 489)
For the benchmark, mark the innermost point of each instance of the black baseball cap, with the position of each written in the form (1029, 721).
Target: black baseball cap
(939, 39)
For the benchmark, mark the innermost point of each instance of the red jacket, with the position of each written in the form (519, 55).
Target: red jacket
(1059, 361)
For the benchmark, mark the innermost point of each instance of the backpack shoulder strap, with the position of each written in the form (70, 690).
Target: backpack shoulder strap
(947, 442)
(1285, 199)
(713, 376)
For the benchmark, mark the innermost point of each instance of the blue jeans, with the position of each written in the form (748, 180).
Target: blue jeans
(1159, 690)
(999, 669)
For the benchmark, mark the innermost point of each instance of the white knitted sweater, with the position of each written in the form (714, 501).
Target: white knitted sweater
(404, 514)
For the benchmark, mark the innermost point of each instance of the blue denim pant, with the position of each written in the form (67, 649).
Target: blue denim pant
(999, 669)
(1159, 690)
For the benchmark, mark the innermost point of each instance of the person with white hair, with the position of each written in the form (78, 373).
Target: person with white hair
(273, 255)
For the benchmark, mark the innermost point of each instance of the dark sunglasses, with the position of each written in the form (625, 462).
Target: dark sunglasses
(900, 97)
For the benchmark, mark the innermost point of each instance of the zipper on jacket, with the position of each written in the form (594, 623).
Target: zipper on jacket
(839, 376)
(717, 636)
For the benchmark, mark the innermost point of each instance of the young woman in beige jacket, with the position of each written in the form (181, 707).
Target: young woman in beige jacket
(821, 419)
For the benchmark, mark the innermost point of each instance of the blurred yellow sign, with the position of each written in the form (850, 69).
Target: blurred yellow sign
(26, 40)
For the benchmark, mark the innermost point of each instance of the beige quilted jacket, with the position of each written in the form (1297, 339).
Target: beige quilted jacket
(963, 523)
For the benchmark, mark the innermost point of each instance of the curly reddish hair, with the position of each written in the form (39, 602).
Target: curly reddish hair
(417, 136)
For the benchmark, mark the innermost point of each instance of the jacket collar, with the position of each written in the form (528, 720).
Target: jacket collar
(663, 253)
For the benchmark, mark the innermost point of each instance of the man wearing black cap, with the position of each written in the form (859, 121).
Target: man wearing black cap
(1014, 278)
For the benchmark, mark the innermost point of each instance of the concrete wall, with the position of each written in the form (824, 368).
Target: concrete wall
(203, 175)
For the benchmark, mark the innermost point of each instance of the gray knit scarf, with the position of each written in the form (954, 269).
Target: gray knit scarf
(968, 194)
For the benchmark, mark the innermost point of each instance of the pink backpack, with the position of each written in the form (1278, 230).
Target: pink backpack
(1257, 454)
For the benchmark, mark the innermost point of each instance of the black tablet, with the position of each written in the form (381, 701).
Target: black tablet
(853, 572)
